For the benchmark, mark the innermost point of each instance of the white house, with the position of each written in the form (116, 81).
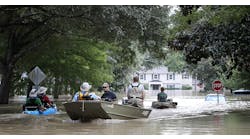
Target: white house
(161, 77)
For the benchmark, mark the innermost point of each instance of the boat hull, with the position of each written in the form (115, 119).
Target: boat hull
(118, 111)
(91, 109)
(164, 105)
(85, 110)
(48, 111)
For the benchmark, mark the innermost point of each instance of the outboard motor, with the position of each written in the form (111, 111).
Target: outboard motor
(124, 100)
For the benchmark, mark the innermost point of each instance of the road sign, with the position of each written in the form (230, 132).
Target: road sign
(37, 75)
(217, 85)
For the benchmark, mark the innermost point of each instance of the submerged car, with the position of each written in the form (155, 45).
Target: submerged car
(215, 97)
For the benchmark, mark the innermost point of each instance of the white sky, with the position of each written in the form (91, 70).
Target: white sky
(125, 2)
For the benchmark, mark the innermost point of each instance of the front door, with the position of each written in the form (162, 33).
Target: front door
(155, 86)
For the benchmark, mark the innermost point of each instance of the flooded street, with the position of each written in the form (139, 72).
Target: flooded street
(193, 116)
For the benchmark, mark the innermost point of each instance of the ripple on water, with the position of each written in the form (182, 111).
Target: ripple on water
(191, 108)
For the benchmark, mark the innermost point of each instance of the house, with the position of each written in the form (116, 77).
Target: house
(160, 76)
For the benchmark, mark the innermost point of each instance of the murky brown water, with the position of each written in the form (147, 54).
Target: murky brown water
(192, 116)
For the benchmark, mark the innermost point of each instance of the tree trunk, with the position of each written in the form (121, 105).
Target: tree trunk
(5, 87)
(30, 84)
(57, 88)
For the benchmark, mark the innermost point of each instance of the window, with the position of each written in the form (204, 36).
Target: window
(170, 77)
(155, 77)
(141, 77)
(155, 86)
(170, 86)
(185, 76)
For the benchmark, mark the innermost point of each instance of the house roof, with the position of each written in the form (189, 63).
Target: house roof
(158, 70)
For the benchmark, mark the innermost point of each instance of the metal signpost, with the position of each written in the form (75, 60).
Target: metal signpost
(36, 76)
(217, 86)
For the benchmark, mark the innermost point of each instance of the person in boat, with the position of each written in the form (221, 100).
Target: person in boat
(135, 93)
(107, 95)
(41, 93)
(84, 93)
(33, 100)
(162, 96)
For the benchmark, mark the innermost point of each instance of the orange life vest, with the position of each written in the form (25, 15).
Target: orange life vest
(84, 96)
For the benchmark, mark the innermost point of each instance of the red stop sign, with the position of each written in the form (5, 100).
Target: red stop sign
(217, 85)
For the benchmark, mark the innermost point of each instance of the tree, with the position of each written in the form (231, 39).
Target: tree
(24, 28)
(67, 60)
(205, 72)
(21, 29)
(238, 80)
(219, 32)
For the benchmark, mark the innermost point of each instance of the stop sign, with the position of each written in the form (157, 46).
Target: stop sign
(217, 85)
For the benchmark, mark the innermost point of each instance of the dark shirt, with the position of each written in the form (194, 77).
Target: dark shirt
(162, 97)
(33, 102)
(108, 96)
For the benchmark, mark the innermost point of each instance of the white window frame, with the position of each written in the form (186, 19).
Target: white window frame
(185, 76)
(141, 77)
(155, 77)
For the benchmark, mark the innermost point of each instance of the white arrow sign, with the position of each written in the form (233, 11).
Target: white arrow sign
(37, 75)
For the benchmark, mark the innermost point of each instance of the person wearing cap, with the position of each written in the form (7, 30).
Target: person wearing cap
(108, 95)
(84, 93)
(135, 93)
(41, 93)
(33, 100)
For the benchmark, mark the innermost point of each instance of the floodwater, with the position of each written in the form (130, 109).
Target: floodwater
(193, 116)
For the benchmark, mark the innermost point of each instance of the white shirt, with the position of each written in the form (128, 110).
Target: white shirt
(135, 89)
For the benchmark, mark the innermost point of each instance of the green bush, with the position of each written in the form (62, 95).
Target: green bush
(186, 87)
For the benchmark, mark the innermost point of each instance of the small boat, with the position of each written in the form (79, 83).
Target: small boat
(241, 92)
(162, 105)
(93, 109)
(215, 98)
(32, 110)
(85, 110)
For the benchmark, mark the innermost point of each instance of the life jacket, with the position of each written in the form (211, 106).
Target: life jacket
(135, 92)
(33, 102)
(83, 95)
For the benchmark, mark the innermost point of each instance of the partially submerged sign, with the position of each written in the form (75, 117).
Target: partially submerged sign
(37, 75)
(217, 86)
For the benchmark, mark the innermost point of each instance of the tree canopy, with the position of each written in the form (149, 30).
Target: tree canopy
(220, 33)
(25, 29)
(75, 43)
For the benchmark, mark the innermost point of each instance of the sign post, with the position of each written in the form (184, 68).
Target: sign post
(217, 86)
